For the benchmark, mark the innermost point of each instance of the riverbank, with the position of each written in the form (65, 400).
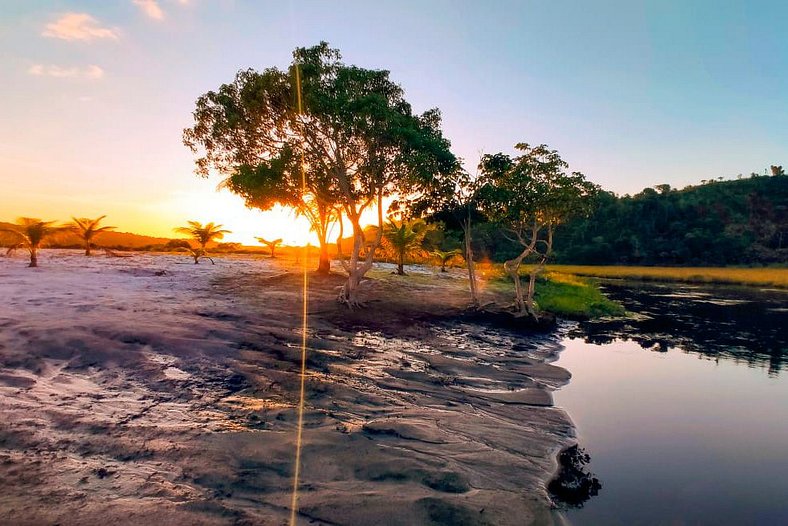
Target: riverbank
(148, 389)
(764, 277)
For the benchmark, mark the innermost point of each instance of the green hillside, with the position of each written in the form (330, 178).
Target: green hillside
(716, 223)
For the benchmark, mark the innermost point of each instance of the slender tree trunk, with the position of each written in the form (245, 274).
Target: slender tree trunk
(443, 266)
(349, 292)
(401, 264)
(87, 247)
(529, 299)
(472, 284)
(357, 267)
(324, 260)
(535, 271)
(512, 267)
(320, 225)
(538, 269)
(33, 257)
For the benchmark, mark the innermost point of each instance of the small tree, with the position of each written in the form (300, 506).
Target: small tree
(202, 235)
(529, 196)
(445, 256)
(87, 229)
(454, 192)
(404, 237)
(30, 233)
(270, 244)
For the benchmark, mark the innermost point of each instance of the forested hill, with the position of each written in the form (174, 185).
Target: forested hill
(717, 223)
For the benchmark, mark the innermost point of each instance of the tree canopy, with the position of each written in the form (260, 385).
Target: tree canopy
(529, 195)
(743, 221)
(339, 136)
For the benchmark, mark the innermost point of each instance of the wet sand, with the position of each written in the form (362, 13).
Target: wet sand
(148, 390)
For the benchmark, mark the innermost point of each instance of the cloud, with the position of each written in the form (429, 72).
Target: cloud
(78, 26)
(91, 72)
(150, 8)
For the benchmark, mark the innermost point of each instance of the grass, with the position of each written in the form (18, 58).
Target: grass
(563, 294)
(770, 277)
(573, 297)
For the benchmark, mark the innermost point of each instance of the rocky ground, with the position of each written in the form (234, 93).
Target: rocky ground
(147, 390)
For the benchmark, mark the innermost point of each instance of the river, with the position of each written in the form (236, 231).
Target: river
(683, 410)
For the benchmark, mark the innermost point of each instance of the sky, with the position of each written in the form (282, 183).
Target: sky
(95, 94)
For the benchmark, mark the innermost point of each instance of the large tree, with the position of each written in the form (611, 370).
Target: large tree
(339, 138)
(530, 195)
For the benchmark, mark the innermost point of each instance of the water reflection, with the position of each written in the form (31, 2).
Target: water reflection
(574, 484)
(677, 438)
(743, 324)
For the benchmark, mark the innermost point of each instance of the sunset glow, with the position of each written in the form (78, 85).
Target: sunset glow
(396, 262)
(96, 95)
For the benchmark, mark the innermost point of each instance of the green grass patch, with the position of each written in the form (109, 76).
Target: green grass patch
(768, 276)
(563, 294)
(573, 297)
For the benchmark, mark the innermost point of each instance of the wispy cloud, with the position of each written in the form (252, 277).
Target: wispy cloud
(78, 26)
(92, 72)
(150, 8)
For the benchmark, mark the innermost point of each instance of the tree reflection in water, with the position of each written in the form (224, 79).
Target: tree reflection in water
(574, 484)
(744, 324)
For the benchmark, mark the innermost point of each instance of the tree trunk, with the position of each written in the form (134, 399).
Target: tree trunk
(324, 263)
(349, 292)
(401, 264)
(512, 268)
(357, 267)
(87, 248)
(529, 299)
(471, 265)
(538, 270)
(443, 266)
(33, 258)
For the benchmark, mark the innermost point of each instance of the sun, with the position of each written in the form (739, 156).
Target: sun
(205, 204)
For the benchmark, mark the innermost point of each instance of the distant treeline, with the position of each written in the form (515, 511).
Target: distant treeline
(740, 222)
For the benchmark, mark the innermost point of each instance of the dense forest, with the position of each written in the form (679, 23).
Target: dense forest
(737, 222)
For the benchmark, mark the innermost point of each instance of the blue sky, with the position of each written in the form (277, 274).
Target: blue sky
(633, 94)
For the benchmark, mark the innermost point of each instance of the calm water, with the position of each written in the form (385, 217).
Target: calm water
(684, 413)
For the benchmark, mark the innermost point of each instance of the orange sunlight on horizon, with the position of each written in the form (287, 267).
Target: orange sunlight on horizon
(197, 202)
(200, 201)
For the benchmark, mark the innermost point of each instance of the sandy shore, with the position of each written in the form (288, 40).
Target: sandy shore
(148, 390)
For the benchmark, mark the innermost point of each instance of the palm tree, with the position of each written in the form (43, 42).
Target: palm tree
(87, 229)
(30, 233)
(197, 254)
(404, 236)
(203, 235)
(270, 244)
(445, 256)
